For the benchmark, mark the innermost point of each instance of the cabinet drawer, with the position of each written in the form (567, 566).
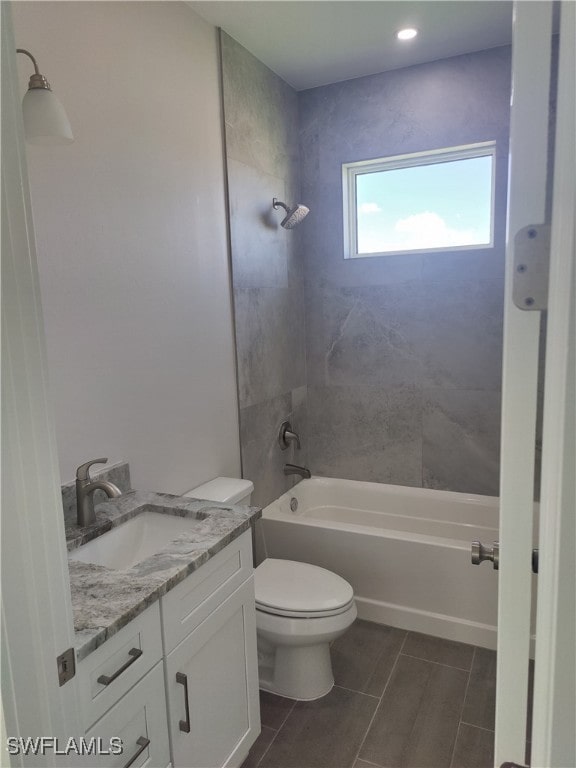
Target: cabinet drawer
(139, 720)
(188, 604)
(111, 670)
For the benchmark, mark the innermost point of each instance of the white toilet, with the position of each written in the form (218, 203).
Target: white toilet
(300, 610)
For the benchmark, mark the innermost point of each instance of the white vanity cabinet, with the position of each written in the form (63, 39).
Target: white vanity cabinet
(211, 662)
(179, 683)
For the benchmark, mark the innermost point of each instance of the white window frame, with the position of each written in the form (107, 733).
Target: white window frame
(431, 157)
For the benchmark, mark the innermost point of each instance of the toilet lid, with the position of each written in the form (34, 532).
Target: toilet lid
(300, 588)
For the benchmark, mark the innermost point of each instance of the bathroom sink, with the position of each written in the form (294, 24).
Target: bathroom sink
(139, 538)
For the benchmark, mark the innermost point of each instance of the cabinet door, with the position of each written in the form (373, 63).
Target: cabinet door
(212, 683)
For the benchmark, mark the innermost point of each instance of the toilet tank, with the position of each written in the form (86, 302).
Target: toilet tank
(227, 490)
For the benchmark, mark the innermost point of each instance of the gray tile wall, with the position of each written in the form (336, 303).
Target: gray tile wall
(403, 352)
(261, 124)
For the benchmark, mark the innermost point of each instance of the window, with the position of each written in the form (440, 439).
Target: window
(426, 201)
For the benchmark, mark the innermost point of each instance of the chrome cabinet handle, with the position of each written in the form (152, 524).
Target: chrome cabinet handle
(134, 653)
(142, 743)
(182, 679)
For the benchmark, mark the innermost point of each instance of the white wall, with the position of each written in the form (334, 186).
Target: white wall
(131, 233)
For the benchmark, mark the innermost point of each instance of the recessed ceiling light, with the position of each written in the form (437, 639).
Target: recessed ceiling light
(406, 34)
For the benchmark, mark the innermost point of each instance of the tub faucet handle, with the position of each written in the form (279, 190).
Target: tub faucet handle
(286, 435)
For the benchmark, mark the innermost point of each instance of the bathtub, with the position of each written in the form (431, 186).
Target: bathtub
(405, 551)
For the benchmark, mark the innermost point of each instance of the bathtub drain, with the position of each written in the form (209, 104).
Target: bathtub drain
(293, 504)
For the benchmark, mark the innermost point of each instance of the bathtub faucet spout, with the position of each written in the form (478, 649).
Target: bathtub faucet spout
(293, 469)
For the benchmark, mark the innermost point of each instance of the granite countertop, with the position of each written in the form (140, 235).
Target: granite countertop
(105, 600)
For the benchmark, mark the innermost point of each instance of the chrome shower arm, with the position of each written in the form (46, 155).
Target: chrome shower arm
(279, 204)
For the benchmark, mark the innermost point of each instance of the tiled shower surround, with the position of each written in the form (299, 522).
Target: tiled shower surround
(261, 114)
(392, 363)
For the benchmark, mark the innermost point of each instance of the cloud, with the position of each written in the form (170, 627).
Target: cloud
(429, 230)
(421, 231)
(370, 208)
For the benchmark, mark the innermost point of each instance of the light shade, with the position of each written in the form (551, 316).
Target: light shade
(45, 120)
(408, 33)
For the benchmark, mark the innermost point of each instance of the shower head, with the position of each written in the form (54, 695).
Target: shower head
(293, 215)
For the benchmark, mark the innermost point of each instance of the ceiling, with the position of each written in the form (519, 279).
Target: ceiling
(311, 43)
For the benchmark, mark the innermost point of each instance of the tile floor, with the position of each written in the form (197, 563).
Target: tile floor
(401, 700)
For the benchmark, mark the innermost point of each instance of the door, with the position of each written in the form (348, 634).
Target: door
(529, 168)
(37, 624)
(553, 732)
(212, 683)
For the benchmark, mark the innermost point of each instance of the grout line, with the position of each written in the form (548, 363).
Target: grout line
(467, 686)
(480, 728)
(277, 732)
(368, 762)
(360, 693)
(454, 747)
(288, 714)
(404, 641)
(382, 652)
(272, 740)
(462, 707)
(439, 663)
(357, 757)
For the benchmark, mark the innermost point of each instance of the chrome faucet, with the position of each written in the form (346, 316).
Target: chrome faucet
(294, 469)
(85, 488)
(286, 435)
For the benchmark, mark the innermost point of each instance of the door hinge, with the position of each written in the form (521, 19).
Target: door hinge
(66, 664)
(531, 266)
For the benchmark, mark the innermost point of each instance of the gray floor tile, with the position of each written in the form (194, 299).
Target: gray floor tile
(364, 764)
(325, 733)
(417, 720)
(479, 707)
(474, 748)
(274, 709)
(385, 664)
(259, 747)
(363, 657)
(439, 650)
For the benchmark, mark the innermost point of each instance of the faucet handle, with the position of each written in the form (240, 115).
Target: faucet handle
(83, 471)
(286, 435)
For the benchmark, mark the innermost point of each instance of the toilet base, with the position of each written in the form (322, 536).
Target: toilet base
(296, 672)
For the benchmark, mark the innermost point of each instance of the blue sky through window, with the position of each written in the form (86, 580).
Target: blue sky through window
(441, 205)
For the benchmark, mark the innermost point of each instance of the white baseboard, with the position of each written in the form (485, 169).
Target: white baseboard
(428, 623)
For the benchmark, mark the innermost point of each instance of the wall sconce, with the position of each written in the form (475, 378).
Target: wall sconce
(45, 120)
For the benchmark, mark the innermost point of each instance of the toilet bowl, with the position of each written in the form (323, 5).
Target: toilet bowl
(300, 610)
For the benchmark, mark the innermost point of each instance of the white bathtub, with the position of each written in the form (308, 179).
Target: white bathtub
(405, 551)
